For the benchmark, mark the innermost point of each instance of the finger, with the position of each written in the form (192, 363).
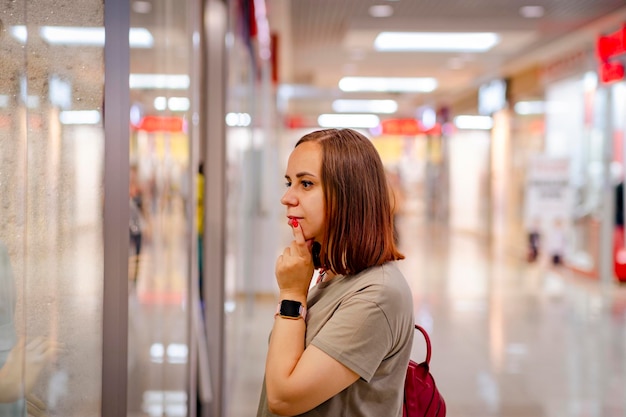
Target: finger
(298, 235)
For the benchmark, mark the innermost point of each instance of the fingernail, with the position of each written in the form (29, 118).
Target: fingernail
(294, 222)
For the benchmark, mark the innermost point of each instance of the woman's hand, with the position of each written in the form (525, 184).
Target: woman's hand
(294, 268)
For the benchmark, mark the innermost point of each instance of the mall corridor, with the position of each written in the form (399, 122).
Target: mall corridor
(143, 152)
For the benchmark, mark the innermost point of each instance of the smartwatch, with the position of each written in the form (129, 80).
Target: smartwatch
(291, 309)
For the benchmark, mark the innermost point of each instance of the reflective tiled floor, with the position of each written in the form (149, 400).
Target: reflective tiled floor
(509, 338)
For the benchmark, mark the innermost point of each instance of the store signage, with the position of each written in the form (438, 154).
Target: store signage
(407, 127)
(492, 97)
(160, 124)
(608, 48)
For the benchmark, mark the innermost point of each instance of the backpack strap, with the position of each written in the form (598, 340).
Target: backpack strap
(421, 329)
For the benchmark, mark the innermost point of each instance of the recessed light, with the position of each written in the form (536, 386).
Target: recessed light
(532, 12)
(142, 7)
(383, 10)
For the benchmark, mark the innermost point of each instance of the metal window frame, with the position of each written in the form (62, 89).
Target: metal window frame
(116, 209)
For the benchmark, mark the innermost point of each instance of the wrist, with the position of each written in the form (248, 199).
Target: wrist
(292, 295)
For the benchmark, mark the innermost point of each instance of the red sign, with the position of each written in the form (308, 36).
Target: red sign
(611, 71)
(161, 124)
(407, 127)
(608, 47)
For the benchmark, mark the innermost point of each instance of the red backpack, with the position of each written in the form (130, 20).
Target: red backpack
(421, 396)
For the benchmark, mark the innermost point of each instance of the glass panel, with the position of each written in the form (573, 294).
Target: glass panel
(51, 152)
(161, 208)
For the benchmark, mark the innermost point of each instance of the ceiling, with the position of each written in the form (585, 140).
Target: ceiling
(323, 40)
(319, 42)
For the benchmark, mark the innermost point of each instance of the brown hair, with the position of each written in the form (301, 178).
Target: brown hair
(359, 220)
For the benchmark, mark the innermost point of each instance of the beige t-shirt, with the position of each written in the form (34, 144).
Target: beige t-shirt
(364, 321)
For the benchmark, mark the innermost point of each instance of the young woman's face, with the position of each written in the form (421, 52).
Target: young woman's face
(304, 197)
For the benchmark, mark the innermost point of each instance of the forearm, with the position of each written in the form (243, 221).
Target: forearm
(285, 350)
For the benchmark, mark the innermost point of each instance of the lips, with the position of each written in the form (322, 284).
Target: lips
(293, 221)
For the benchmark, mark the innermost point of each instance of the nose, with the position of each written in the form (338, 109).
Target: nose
(289, 198)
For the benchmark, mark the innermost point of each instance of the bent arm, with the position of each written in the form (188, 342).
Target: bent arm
(299, 379)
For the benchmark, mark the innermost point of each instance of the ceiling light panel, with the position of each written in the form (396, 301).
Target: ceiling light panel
(389, 85)
(473, 122)
(365, 106)
(365, 121)
(91, 36)
(436, 41)
(79, 117)
(164, 81)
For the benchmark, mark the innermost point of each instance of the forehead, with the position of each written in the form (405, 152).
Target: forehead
(305, 157)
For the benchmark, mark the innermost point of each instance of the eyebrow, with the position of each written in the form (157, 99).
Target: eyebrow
(301, 174)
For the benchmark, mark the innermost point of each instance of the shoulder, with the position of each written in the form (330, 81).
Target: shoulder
(385, 278)
(385, 286)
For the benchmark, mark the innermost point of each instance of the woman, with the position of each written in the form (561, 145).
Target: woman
(342, 348)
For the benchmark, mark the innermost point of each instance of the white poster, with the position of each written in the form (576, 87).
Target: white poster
(548, 201)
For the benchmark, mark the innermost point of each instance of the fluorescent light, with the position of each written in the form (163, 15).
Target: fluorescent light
(60, 35)
(365, 106)
(348, 120)
(473, 122)
(436, 41)
(382, 84)
(91, 36)
(529, 107)
(20, 33)
(147, 81)
(79, 117)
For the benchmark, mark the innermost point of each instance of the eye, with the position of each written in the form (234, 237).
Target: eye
(288, 184)
(306, 184)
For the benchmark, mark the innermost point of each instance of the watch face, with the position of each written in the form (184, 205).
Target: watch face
(290, 308)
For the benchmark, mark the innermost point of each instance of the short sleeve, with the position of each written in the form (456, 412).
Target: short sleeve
(358, 335)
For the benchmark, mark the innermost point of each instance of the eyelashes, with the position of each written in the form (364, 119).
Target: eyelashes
(305, 184)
